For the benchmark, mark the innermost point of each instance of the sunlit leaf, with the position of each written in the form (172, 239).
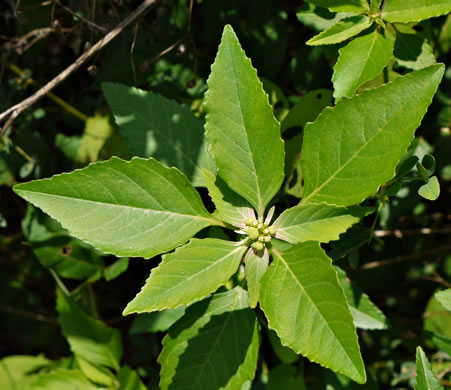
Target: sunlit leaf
(342, 30)
(354, 147)
(240, 125)
(306, 306)
(135, 208)
(187, 275)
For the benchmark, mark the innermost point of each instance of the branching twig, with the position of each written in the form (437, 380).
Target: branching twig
(399, 259)
(15, 110)
(401, 233)
(84, 20)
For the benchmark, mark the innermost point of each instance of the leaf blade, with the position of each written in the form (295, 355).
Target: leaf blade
(444, 297)
(316, 222)
(88, 337)
(425, 379)
(123, 208)
(230, 207)
(414, 11)
(154, 126)
(342, 5)
(366, 134)
(220, 333)
(240, 123)
(256, 267)
(342, 30)
(359, 61)
(187, 275)
(293, 296)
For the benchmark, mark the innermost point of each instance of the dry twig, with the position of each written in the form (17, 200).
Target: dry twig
(11, 113)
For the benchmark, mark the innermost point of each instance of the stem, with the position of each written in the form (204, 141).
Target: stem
(69, 108)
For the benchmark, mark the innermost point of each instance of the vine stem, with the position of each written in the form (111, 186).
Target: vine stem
(13, 112)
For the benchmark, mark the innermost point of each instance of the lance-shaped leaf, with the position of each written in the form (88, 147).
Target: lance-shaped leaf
(213, 346)
(128, 208)
(365, 313)
(306, 306)
(353, 148)
(187, 275)
(256, 267)
(342, 30)
(154, 126)
(316, 222)
(357, 6)
(426, 379)
(230, 207)
(414, 10)
(240, 125)
(360, 60)
(88, 337)
(444, 297)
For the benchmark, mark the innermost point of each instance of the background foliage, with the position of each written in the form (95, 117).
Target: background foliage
(405, 263)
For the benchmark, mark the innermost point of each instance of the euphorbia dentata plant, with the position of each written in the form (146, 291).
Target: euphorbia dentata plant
(142, 208)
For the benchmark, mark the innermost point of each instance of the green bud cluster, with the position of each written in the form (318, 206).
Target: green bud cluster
(259, 234)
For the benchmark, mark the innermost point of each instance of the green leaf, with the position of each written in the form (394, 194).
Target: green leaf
(88, 337)
(342, 30)
(442, 342)
(18, 371)
(214, 346)
(154, 126)
(306, 306)
(127, 208)
(97, 130)
(317, 222)
(444, 297)
(318, 18)
(230, 207)
(354, 147)
(54, 247)
(285, 354)
(360, 60)
(357, 6)
(436, 318)
(240, 125)
(158, 321)
(307, 108)
(187, 275)
(63, 379)
(426, 379)
(414, 10)
(117, 268)
(430, 190)
(129, 379)
(365, 313)
(256, 267)
(94, 372)
(285, 377)
(413, 51)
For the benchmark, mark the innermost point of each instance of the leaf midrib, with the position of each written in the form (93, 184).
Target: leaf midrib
(279, 255)
(218, 261)
(107, 204)
(318, 189)
(259, 195)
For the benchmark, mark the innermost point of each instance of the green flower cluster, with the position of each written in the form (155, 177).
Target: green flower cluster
(259, 233)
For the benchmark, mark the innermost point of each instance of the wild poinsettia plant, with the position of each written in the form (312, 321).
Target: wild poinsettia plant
(143, 208)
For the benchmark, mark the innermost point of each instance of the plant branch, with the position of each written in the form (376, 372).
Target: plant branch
(399, 259)
(15, 110)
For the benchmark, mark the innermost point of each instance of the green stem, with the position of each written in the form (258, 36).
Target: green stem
(69, 108)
